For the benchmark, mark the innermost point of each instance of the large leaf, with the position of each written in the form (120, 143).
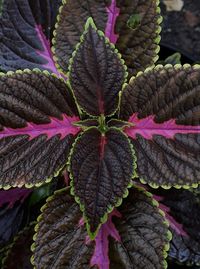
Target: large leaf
(132, 25)
(60, 239)
(163, 106)
(144, 234)
(36, 131)
(96, 73)
(23, 43)
(102, 166)
(19, 254)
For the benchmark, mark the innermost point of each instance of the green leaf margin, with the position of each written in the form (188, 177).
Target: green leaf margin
(56, 173)
(158, 31)
(109, 207)
(149, 69)
(40, 217)
(165, 222)
(89, 23)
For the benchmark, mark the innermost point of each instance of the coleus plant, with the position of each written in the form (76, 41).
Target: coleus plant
(98, 105)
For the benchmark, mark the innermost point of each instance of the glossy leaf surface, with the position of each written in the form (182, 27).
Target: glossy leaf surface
(23, 43)
(166, 124)
(19, 254)
(144, 235)
(60, 240)
(36, 131)
(102, 166)
(96, 73)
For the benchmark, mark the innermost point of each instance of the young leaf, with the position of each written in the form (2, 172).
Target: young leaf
(23, 43)
(96, 73)
(36, 131)
(144, 234)
(19, 254)
(102, 166)
(163, 106)
(60, 239)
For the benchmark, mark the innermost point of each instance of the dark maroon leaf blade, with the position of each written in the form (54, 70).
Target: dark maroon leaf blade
(102, 166)
(184, 207)
(19, 254)
(96, 73)
(70, 26)
(23, 43)
(60, 239)
(132, 25)
(11, 220)
(163, 106)
(144, 234)
(137, 28)
(36, 127)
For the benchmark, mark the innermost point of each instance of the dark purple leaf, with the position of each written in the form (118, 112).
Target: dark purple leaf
(36, 127)
(70, 26)
(102, 166)
(60, 239)
(144, 234)
(62, 242)
(137, 42)
(96, 73)
(10, 197)
(163, 106)
(184, 208)
(137, 28)
(10, 222)
(23, 43)
(100, 256)
(19, 254)
(45, 13)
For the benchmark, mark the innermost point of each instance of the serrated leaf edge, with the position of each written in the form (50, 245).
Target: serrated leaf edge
(56, 173)
(109, 208)
(165, 222)
(89, 23)
(157, 68)
(40, 217)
